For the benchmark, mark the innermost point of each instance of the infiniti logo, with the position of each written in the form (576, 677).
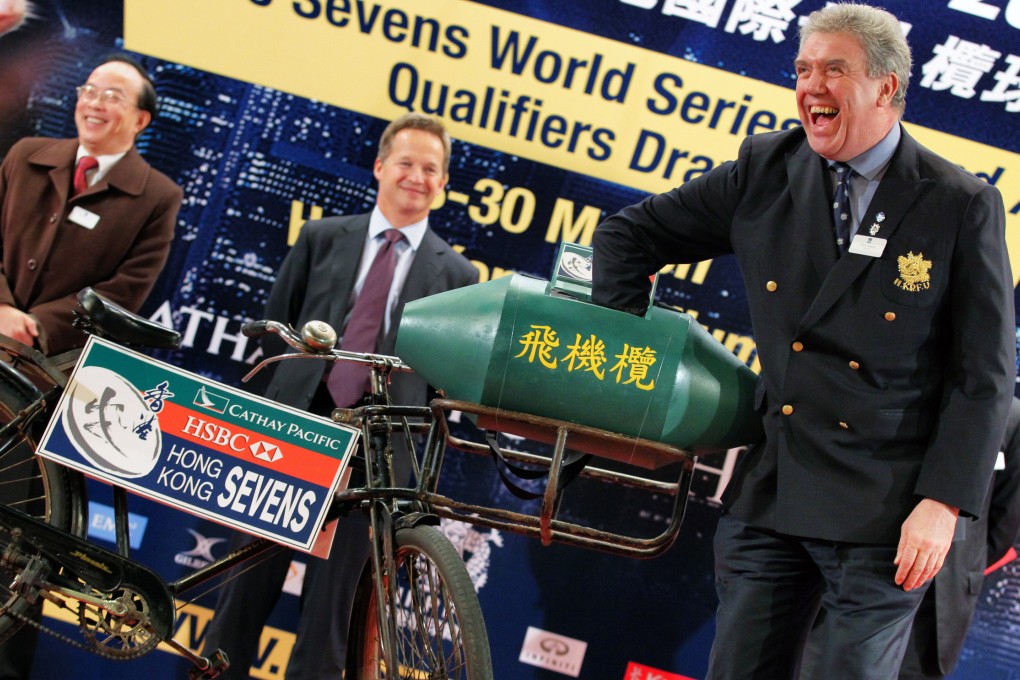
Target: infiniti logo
(553, 652)
(554, 646)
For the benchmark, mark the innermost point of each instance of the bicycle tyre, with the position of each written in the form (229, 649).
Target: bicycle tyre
(37, 487)
(432, 576)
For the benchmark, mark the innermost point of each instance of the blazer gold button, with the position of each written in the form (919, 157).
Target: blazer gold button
(771, 286)
(889, 316)
(844, 425)
(32, 264)
(787, 409)
(854, 365)
(53, 218)
(797, 346)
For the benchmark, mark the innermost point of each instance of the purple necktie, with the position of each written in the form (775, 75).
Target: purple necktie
(81, 182)
(348, 381)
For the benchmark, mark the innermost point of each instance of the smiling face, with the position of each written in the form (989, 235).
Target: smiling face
(844, 111)
(410, 176)
(107, 127)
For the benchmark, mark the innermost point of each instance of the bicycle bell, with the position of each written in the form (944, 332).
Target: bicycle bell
(319, 335)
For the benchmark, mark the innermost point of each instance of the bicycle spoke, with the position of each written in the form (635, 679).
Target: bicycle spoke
(433, 641)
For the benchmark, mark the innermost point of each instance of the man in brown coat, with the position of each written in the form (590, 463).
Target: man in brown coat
(108, 227)
(114, 235)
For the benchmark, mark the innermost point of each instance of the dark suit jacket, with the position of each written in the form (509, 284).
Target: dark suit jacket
(315, 283)
(47, 258)
(877, 388)
(957, 586)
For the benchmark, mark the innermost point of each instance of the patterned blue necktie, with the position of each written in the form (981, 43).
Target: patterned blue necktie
(841, 206)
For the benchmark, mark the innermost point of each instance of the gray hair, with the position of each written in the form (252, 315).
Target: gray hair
(879, 34)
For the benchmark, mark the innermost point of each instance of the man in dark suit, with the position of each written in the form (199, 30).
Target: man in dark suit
(114, 234)
(887, 359)
(320, 279)
(986, 544)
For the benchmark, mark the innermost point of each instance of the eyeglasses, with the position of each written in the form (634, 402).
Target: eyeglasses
(89, 94)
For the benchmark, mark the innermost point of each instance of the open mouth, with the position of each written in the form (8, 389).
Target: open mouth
(822, 114)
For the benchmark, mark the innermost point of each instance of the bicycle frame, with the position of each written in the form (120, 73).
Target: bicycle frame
(391, 507)
(46, 379)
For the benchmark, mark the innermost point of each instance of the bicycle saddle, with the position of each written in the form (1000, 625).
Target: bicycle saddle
(102, 317)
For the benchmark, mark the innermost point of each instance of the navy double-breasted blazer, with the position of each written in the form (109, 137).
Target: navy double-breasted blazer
(884, 379)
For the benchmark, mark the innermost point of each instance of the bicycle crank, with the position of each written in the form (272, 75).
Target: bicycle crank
(119, 599)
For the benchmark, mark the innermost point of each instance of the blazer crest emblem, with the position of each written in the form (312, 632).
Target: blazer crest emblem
(914, 276)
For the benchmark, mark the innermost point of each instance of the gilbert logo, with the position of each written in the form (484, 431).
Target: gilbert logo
(201, 555)
(216, 403)
(553, 652)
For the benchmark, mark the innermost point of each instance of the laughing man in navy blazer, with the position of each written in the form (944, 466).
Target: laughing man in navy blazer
(887, 361)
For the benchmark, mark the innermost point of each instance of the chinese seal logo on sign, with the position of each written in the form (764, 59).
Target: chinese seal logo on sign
(110, 423)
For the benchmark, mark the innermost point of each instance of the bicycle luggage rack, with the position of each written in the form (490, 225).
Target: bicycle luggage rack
(545, 525)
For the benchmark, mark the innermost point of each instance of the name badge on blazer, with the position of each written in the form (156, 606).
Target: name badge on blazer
(83, 218)
(867, 245)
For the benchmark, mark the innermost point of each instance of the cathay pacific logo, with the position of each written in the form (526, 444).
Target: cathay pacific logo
(210, 400)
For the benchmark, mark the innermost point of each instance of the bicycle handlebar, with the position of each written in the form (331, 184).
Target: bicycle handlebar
(316, 340)
(253, 329)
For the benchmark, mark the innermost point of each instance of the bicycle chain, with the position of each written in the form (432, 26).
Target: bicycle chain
(98, 651)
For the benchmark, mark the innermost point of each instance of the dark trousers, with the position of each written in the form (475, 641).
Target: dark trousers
(327, 597)
(770, 588)
(921, 661)
(243, 607)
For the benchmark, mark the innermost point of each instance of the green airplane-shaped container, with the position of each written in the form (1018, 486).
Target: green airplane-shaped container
(519, 344)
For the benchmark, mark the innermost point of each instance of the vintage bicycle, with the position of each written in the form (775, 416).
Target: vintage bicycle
(416, 612)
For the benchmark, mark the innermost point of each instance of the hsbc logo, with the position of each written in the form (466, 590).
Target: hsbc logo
(266, 451)
(553, 652)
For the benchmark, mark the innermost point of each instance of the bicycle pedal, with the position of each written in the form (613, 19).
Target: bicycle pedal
(218, 662)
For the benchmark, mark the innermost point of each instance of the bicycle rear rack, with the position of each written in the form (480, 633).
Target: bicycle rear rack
(546, 524)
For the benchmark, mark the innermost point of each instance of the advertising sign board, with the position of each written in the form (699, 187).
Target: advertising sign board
(198, 445)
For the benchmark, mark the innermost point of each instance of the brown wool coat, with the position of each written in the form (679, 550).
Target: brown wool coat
(47, 258)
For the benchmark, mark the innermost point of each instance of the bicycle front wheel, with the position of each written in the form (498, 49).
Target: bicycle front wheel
(440, 632)
(36, 487)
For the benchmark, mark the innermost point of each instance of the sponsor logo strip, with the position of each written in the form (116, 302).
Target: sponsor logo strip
(636, 671)
(228, 438)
